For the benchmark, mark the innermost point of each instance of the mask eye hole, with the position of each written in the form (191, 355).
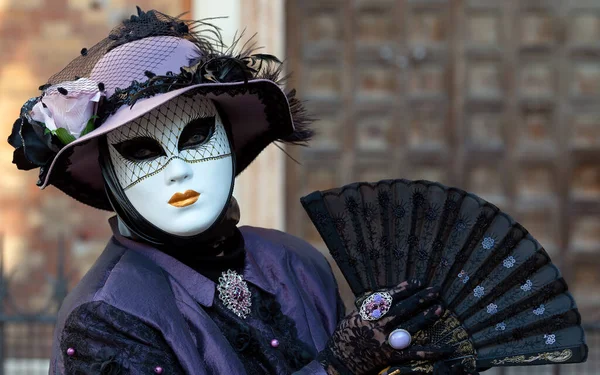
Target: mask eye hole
(140, 149)
(196, 133)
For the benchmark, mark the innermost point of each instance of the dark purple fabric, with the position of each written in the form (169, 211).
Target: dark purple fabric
(105, 340)
(169, 296)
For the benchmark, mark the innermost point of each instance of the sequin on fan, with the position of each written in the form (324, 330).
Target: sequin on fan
(479, 291)
(550, 339)
(527, 286)
(500, 326)
(492, 308)
(509, 262)
(460, 226)
(540, 310)
(488, 243)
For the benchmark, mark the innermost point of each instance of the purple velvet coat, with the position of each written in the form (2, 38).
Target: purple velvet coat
(168, 296)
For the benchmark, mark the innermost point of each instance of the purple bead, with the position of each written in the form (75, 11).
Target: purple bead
(399, 339)
(376, 314)
(274, 343)
(70, 352)
(158, 370)
(377, 298)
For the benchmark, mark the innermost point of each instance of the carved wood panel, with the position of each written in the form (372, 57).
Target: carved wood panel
(497, 97)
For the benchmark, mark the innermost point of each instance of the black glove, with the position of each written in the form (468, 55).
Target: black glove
(360, 346)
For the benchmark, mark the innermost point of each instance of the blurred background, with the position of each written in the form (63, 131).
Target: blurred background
(499, 97)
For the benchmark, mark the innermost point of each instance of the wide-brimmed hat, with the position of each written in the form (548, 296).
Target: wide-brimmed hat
(146, 61)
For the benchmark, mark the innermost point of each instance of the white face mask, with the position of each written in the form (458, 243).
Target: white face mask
(175, 165)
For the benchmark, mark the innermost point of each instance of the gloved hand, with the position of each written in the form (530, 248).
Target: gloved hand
(360, 346)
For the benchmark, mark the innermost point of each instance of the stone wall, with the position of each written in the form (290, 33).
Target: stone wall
(260, 189)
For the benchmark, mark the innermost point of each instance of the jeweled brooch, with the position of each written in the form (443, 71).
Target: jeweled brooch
(234, 293)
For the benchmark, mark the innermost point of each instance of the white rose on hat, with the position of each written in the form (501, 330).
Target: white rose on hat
(67, 109)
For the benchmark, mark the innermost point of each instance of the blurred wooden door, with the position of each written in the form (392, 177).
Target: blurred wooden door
(496, 97)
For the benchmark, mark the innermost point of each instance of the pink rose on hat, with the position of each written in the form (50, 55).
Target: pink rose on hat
(67, 109)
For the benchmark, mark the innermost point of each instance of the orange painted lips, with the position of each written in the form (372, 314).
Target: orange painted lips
(184, 199)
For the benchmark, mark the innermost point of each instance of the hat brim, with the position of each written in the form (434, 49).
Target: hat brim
(258, 111)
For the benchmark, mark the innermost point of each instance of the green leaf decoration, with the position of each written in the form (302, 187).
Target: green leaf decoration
(90, 126)
(63, 135)
(46, 130)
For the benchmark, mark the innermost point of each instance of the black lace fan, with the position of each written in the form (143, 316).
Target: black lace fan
(507, 304)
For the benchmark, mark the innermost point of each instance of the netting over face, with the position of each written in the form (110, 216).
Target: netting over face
(165, 124)
(138, 27)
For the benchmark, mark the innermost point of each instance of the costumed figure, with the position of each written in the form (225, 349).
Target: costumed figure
(154, 123)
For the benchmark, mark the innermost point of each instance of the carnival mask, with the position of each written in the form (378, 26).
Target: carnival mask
(175, 165)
